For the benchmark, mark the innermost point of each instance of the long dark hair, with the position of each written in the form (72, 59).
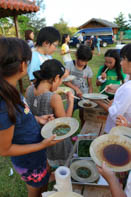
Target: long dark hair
(64, 38)
(114, 54)
(48, 71)
(13, 52)
(27, 34)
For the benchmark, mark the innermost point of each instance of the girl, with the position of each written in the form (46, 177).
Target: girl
(29, 37)
(20, 135)
(42, 100)
(98, 43)
(111, 72)
(83, 82)
(65, 51)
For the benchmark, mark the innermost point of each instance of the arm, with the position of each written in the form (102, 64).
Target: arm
(90, 85)
(9, 149)
(104, 105)
(122, 121)
(44, 118)
(77, 90)
(98, 83)
(115, 187)
(58, 107)
(64, 50)
(101, 79)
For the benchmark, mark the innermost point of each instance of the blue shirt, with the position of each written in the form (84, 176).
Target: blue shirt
(26, 131)
(36, 61)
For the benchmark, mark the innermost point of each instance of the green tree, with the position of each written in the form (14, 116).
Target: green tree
(37, 21)
(129, 21)
(23, 22)
(5, 24)
(73, 30)
(121, 22)
(62, 26)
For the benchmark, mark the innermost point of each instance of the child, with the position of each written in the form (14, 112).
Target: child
(115, 187)
(65, 51)
(122, 102)
(46, 44)
(42, 100)
(20, 135)
(111, 72)
(29, 37)
(83, 82)
(98, 42)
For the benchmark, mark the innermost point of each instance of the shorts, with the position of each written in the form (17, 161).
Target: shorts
(36, 177)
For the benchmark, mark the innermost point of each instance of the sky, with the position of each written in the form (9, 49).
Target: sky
(78, 12)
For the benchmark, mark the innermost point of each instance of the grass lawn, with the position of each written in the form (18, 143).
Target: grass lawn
(13, 186)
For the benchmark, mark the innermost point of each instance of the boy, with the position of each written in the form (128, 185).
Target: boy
(83, 82)
(46, 43)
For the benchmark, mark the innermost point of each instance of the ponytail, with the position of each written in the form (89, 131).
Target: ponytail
(48, 71)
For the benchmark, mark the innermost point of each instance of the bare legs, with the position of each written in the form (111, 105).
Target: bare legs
(36, 191)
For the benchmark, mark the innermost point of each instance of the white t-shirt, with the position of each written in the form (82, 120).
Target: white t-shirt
(128, 186)
(80, 38)
(66, 57)
(120, 106)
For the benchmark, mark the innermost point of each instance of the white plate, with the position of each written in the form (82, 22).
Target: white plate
(65, 194)
(69, 78)
(114, 87)
(95, 96)
(111, 93)
(81, 104)
(48, 128)
(120, 130)
(98, 146)
(89, 165)
(64, 90)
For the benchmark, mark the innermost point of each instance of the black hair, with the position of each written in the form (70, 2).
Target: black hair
(48, 71)
(13, 52)
(64, 38)
(114, 54)
(84, 53)
(27, 34)
(47, 34)
(125, 52)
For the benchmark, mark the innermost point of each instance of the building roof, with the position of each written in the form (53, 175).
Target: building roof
(16, 7)
(102, 21)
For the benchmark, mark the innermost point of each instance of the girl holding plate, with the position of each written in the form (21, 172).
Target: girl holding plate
(20, 133)
(42, 100)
